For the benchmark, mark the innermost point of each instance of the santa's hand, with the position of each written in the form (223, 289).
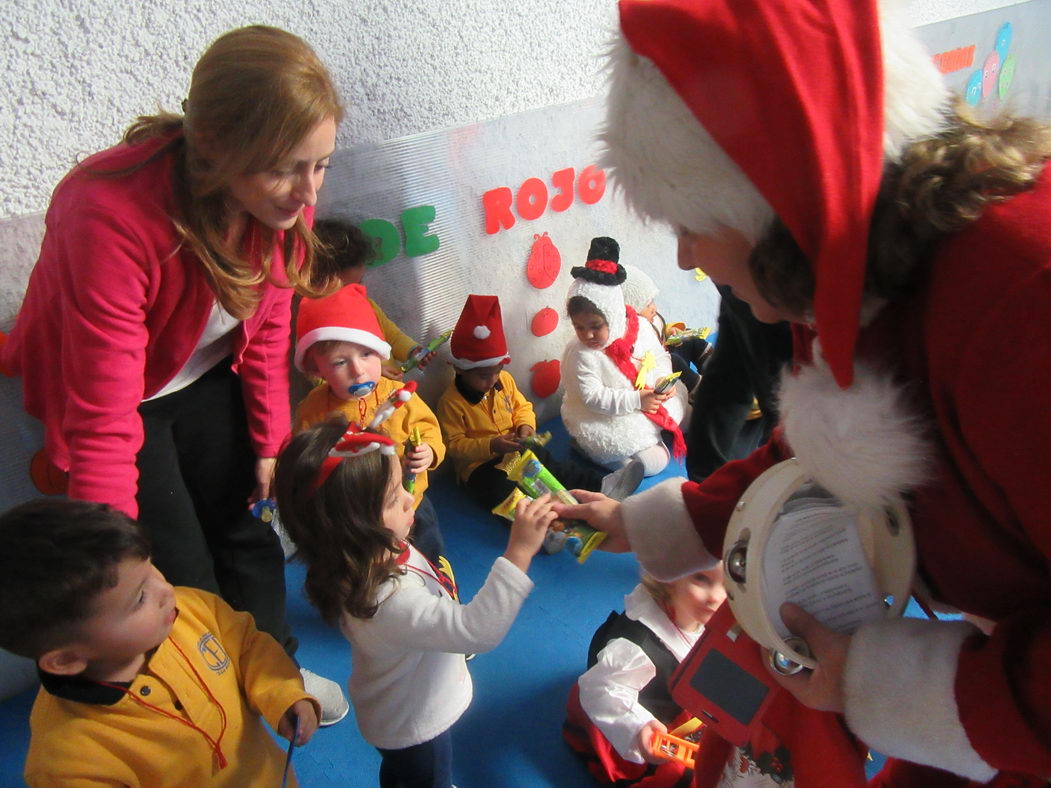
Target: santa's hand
(602, 514)
(821, 688)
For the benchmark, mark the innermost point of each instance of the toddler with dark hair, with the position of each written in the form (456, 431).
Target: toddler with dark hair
(143, 683)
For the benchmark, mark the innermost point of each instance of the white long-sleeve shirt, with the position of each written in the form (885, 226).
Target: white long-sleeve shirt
(409, 680)
(609, 690)
(602, 409)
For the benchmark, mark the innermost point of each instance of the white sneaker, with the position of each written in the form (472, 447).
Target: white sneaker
(623, 482)
(334, 706)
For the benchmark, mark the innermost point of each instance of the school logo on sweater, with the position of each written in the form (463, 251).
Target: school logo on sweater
(215, 656)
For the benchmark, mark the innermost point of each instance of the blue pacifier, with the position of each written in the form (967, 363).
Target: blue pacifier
(361, 389)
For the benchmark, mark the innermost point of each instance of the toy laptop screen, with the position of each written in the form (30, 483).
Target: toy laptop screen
(729, 686)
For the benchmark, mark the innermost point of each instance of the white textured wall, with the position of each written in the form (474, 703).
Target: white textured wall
(75, 73)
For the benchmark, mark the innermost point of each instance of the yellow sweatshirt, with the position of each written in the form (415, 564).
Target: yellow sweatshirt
(84, 734)
(320, 403)
(469, 422)
(400, 342)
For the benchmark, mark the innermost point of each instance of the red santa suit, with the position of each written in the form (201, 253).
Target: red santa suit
(943, 391)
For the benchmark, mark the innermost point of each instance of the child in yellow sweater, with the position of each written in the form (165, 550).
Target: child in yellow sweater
(484, 415)
(340, 340)
(346, 253)
(142, 683)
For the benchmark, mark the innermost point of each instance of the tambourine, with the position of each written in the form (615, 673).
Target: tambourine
(885, 536)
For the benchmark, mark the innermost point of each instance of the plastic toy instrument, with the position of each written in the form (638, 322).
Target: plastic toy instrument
(394, 401)
(664, 745)
(536, 480)
(415, 440)
(666, 383)
(536, 439)
(690, 333)
(420, 351)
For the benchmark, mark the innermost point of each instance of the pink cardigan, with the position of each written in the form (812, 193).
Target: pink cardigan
(113, 310)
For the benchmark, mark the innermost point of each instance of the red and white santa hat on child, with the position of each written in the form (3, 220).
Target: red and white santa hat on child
(344, 316)
(478, 339)
(725, 113)
(599, 280)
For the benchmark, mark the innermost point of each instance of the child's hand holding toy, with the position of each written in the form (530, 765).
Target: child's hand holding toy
(419, 459)
(502, 444)
(651, 400)
(532, 519)
(645, 741)
(424, 359)
(307, 714)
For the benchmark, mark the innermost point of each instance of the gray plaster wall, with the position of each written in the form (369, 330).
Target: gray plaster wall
(76, 73)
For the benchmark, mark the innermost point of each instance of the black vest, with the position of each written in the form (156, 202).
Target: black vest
(655, 696)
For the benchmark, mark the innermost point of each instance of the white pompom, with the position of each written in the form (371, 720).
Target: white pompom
(481, 332)
(866, 444)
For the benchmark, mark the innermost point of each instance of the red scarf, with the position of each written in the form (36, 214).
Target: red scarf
(620, 353)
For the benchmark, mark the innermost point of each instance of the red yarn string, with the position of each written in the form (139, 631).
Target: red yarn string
(216, 744)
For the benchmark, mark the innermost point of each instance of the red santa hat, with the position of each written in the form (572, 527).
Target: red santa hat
(344, 316)
(478, 339)
(728, 112)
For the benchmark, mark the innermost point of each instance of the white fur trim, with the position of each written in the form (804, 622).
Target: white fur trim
(666, 164)
(610, 301)
(339, 334)
(914, 93)
(463, 363)
(864, 444)
(661, 532)
(898, 684)
(481, 332)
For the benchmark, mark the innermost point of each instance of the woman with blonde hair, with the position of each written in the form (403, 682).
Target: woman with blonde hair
(154, 335)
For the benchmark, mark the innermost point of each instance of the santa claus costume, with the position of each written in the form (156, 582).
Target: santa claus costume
(602, 408)
(935, 390)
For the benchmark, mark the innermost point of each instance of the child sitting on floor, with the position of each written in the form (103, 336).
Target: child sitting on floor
(143, 684)
(484, 415)
(610, 418)
(346, 252)
(340, 341)
(623, 698)
(640, 293)
(342, 499)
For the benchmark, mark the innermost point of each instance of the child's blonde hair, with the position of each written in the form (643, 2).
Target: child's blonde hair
(254, 95)
(657, 589)
(339, 526)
